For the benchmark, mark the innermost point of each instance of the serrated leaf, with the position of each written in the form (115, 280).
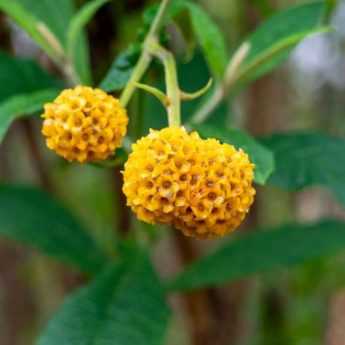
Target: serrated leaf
(308, 159)
(258, 154)
(22, 105)
(272, 42)
(31, 217)
(261, 251)
(210, 39)
(77, 24)
(124, 305)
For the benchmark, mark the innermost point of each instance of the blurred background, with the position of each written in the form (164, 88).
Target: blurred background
(300, 306)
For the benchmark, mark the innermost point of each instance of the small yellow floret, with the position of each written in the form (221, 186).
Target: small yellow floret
(84, 124)
(201, 187)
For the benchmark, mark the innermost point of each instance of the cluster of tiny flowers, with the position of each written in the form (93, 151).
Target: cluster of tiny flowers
(84, 124)
(201, 187)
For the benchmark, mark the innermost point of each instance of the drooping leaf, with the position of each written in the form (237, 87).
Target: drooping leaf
(308, 159)
(261, 251)
(258, 154)
(33, 218)
(22, 105)
(272, 42)
(123, 305)
(210, 39)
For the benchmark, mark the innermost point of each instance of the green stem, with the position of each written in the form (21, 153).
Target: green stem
(171, 80)
(145, 58)
(138, 72)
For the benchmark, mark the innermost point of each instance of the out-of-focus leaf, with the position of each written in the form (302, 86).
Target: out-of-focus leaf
(56, 16)
(33, 218)
(210, 39)
(307, 159)
(21, 76)
(24, 88)
(121, 69)
(77, 24)
(27, 22)
(22, 105)
(124, 305)
(264, 6)
(272, 42)
(262, 251)
(258, 154)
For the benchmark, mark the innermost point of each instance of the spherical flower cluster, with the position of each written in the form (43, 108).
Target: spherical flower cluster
(201, 187)
(84, 124)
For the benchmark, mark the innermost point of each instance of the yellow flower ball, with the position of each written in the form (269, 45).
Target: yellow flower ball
(201, 187)
(84, 124)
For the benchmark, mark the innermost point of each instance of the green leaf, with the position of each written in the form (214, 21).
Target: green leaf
(308, 159)
(121, 70)
(56, 16)
(210, 39)
(124, 305)
(22, 76)
(258, 154)
(33, 218)
(22, 105)
(272, 42)
(24, 88)
(27, 21)
(77, 24)
(262, 251)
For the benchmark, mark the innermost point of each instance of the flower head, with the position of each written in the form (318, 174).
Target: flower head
(201, 187)
(84, 124)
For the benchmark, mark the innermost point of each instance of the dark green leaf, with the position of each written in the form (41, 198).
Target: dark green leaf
(307, 159)
(124, 305)
(262, 251)
(210, 39)
(21, 76)
(22, 105)
(121, 69)
(31, 217)
(24, 88)
(259, 154)
(272, 42)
